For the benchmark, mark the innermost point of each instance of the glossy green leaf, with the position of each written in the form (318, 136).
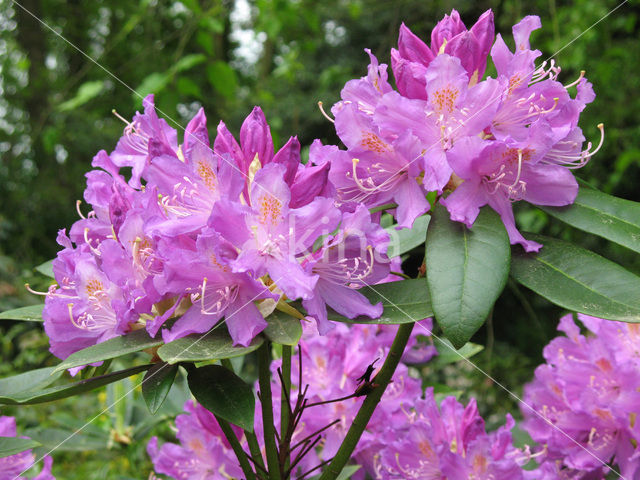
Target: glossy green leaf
(283, 328)
(57, 392)
(12, 445)
(46, 269)
(112, 348)
(447, 353)
(32, 313)
(214, 345)
(32, 380)
(609, 217)
(224, 393)
(466, 270)
(405, 301)
(401, 241)
(578, 280)
(157, 383)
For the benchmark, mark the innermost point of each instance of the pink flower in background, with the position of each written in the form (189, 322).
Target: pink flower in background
(587, 395)
(12, 467)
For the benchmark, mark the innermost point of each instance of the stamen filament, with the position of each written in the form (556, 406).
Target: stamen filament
(324, 114)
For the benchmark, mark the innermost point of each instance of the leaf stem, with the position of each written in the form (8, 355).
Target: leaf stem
(358, 425)
(237, 448)
(264, 380)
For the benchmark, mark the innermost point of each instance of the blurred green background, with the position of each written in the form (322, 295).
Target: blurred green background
(284, 55)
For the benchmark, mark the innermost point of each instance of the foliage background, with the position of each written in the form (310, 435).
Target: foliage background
(285, 55)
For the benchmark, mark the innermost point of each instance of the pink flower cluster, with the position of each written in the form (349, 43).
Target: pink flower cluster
(588, 398)
(407, 437)
(205, 233)
(13, 466)
(487, 141)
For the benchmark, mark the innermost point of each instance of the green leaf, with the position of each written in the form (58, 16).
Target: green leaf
(68, 440)
(466, 270)
(187, 87)
(32, 380)
(223, 393)
(46, 269)
(283, 328)
(12, 445)
(401, 241)
(405, 301)
(578, 280)
(152, 83)
(157, 81)
(87, 91)
(348, 471)
(222, 78)
(112, 348)
(57, 392)
(609, 217)
(32, 313)
(188, 62)
(214, 345)
(156, 384)
(447, 353)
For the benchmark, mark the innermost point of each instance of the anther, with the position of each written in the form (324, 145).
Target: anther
(120, 117)
(78, 202)
(35, 292)
(94, 250)
(324, 114)
(582, 72)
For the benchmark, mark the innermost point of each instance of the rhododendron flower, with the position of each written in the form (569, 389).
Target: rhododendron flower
(210, 235)
(351, 258)
(498, 173)
(331, 366)
(215, 291)
(204, 452)
(13, 466)
(145, 137)
(587, 396)
(376, 170)
(87, 306)
(410, 61)
(453, 111)
(449, 442)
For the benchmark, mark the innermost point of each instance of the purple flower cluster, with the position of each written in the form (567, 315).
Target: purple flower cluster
(331, 366)
(203, 453)
(491, 141)
(202, 233)
(407, 437)
(12, 467)
(446, 443)
(588, 399)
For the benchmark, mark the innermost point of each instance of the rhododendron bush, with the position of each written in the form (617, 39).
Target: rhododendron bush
(217, 254)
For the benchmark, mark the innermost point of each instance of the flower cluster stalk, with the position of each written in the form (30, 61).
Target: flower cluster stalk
(237, 448)
(381, 381)
(264, 380)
